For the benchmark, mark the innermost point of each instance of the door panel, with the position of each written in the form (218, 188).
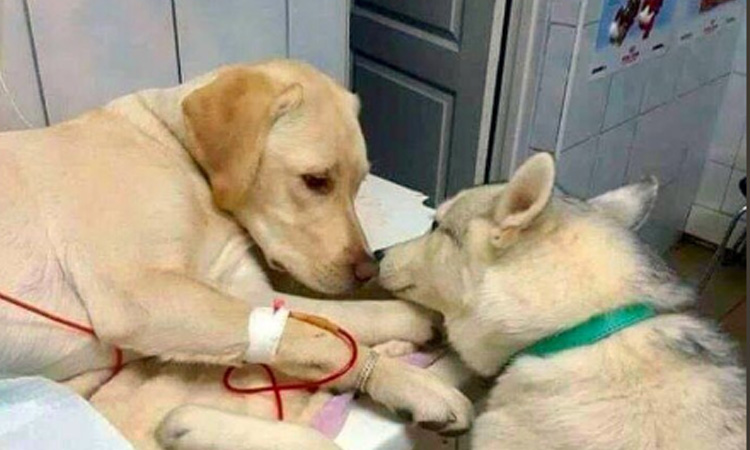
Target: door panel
(432, 124)
(443, 15)
(396, 43)
(403, 110)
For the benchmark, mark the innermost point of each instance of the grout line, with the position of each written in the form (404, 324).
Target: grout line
(630, 148)
(716, 79)
(35, 59)
(606, 130)
(563, 24)
(176, 34)
(569, 81)
(287, 30)
(578, 144)
(573, 70)
(610, 86)
(725, 165)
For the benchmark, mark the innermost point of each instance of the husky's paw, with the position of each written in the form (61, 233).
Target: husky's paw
(184, 428)
(419, 396)
(396, 349)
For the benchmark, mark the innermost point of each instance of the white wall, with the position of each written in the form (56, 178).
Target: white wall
(61, 58)
(655, 118)
(719, 197)
(18, 70)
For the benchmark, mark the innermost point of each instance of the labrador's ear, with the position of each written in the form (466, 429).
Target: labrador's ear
(524, 197)
(228, 122)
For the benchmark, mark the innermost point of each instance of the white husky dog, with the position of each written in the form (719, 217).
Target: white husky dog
(586, 330)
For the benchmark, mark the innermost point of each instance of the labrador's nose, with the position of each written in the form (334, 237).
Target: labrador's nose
(366, 269)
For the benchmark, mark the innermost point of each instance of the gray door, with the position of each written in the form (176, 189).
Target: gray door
(425, 71)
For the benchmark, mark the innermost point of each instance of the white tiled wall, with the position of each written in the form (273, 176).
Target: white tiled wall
(586, 101)
(656, 118)
(18, 71)
(62, 58)
(83, 64)
(559, 51)
(576, 166)
(612, 158)
(719, 197)
(713, 186)
(625, 94)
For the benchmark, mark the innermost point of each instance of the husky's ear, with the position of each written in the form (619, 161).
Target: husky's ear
(629, 205)
(524, 198)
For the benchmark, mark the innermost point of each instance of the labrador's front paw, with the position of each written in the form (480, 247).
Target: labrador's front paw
(397, 320)
(419, 396)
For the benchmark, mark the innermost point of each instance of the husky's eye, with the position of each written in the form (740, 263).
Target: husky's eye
(320, 184)
(452, 235)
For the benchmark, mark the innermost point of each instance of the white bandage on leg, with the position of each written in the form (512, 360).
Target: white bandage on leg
(264, 328)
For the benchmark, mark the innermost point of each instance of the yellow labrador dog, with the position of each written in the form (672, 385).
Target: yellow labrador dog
(137, 218)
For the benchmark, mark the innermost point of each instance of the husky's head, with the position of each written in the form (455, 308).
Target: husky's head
(523, 262)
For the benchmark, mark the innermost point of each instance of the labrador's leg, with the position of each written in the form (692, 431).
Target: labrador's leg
(175, 317)
(166, 314)
(192, 427)
(374, 322)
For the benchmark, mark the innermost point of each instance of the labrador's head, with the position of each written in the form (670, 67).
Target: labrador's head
(283, 151)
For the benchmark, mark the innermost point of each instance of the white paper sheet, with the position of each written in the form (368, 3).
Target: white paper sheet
(38, 414)
(391, 213)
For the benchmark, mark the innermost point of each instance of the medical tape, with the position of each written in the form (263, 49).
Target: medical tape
(265, 326)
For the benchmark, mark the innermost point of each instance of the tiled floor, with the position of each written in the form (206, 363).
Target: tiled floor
(726, 294)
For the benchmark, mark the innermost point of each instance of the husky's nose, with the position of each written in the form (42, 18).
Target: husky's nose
(379, 254)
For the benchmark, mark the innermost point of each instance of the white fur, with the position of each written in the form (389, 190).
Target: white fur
(671, 382)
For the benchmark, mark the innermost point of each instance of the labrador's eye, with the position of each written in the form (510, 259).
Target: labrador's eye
(320, 184)
(435, 225)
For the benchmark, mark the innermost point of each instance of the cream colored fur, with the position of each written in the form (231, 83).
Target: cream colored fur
(138, 218)
(508, 266)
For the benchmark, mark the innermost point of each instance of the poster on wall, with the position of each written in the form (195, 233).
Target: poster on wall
(705, 17)
(631, 31)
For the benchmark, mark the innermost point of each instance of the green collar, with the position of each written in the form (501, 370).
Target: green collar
(589, 332)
